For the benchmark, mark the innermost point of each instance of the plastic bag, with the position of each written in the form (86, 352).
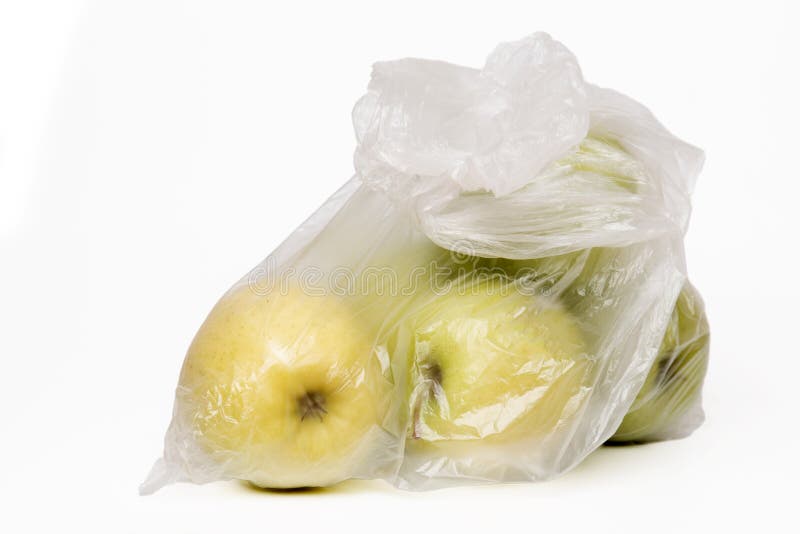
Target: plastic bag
(482, 302)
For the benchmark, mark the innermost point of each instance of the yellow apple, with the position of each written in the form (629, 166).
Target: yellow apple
(674, 383)
(606, 159)
(285, 390)
(491, 363)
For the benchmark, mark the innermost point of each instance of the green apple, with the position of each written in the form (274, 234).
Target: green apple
(284, 390)
(674, 383)
(493, 363)
(606, 166)
(606, 159)
(548, 276)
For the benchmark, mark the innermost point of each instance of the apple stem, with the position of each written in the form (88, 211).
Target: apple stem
(312, 404)
(431, 372)
(415, 419)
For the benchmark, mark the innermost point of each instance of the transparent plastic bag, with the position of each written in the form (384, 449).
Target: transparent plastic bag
(482, 302)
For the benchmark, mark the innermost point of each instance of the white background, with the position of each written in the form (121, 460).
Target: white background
(152, 152)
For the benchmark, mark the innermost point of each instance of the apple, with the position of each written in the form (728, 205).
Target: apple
(666, 406)
(601, 165)
(549, 276)
(285, 390)
(492, 363)
(663, 408)
(607, 159)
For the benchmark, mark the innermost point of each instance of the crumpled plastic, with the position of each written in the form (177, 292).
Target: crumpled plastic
(484, 301)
